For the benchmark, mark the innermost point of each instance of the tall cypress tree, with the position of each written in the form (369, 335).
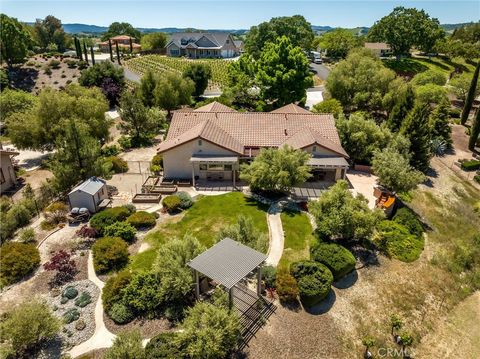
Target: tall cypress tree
(110, 49)
(401, 109)
(86, 52)
(439, 122)
(131, 45)
(470, 96)
(475, 131)
(118, 53)
(92, 55)
(416, 128)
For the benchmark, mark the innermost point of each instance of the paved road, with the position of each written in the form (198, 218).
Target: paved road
(321, 70)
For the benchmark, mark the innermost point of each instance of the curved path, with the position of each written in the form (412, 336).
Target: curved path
(102, 337)
(276, 235)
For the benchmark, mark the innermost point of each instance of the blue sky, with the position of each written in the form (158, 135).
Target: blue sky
(230, 14)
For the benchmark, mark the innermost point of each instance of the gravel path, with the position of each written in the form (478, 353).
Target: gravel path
(276, 235)
(102, 337)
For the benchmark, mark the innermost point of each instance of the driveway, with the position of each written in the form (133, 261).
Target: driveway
(320, 70)
(314, 96)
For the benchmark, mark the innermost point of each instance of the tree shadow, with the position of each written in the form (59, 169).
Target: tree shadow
(23, 78)
(346, 282)
(431, 173)
(292, 306)
(324, 306)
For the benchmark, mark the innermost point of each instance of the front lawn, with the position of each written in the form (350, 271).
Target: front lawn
(414, 65)
(203, 220)
(298, 237)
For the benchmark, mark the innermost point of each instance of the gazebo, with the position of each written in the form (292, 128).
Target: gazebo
(227, 263)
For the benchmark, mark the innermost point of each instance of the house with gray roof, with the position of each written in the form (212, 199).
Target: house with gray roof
(197, 45)
(91, 194)
(212, 141)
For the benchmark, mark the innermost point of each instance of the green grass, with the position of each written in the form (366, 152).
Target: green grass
(298, 237)
(203, 220)
(414, 65)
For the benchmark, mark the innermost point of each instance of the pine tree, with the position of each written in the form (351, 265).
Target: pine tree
(471, 95)
(475, 131)
(439, 123)
(401, 109)
(147, 86)
(416, 128)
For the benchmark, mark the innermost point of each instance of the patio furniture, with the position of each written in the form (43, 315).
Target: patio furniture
(78, 215)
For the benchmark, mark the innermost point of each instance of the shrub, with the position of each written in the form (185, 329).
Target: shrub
(107, 217)
(119, 165)
(471, 165)
(314, 281)
(269, 276)
(112, 150)
(70, 292)
(337, 258)
(120, 313)
(71, 63)
(164, 346)
(121, 229)
(47, 70)
(27, 235)
(80, 325)
(287, 288)
(87, 232)
(476, 178)
(109, 253)
(332, 106)
(82, 65)
(54, 64)
(171, 203)
(143, 293)
(17, 260)
(185, 200)
(397, 242)
(142, 219)
(125, 142)
(56, 212)
(157, 160)
(83, 300)
(408, 218)
(429, 77)
(111, 292)
(130, 207)
(71, 315)
(65, 268)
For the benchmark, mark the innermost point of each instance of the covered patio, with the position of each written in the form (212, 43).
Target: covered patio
(328, 168)
(214, 168)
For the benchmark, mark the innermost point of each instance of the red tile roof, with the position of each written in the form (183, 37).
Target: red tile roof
(240, 130)
(215, 107)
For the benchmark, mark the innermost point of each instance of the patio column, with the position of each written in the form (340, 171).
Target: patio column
(233, 175)
(193, 174)
(197, 285)
(259, 281)
(344, 173)
(230, 297)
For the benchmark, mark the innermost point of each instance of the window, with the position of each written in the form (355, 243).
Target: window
(227, 167)
(174, 52)
(2, 177)
(203, 167)
(228, 41)
(215, 167)
(314, 149)
(199, 142)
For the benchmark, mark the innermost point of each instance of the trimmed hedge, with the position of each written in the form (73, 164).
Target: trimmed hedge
(16, 261)
(123, 230)
(471, 165)
(397, 242)
(408, 218)
(337, 258)
(109, 253)
(314, 281)
(111, 292)
(142, 219)
(107, 217)
(171, 203)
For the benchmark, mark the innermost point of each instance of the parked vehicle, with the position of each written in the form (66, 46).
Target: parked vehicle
(316, 57)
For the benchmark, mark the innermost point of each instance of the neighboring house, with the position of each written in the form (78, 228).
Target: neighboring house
(91, 194)
(198, 45)
(123, 44)
(380, 49)
(212, 141)
(8, 179)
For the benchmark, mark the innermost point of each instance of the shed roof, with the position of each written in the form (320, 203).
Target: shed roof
(90, 186)
(227, 262)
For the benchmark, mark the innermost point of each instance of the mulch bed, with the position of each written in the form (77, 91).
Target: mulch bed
(148, 327)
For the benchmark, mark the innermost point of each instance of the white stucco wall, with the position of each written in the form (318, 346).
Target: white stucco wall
(176, 161)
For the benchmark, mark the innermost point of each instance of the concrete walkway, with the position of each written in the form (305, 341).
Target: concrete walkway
(276, 235)
(102, 337)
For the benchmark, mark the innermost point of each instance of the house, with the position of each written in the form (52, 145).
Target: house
(8, 179)
(197, 45)
(380, 49)
(91, 194)
(123, 44)
(212, 141)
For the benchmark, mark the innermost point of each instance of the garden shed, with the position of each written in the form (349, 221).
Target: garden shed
(91, 194)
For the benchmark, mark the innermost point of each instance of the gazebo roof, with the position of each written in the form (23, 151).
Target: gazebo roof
(227, 262)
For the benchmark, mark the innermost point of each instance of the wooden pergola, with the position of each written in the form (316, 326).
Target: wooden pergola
(227, 263)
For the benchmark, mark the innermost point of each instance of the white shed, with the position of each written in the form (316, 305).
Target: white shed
(89, 194)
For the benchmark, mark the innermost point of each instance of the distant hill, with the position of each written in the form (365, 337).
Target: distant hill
(318, 29)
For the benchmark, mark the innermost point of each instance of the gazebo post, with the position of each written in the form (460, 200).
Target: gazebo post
(197, 285)
(230, 298)
(259, 281)
(193, 174)
(233, 174)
